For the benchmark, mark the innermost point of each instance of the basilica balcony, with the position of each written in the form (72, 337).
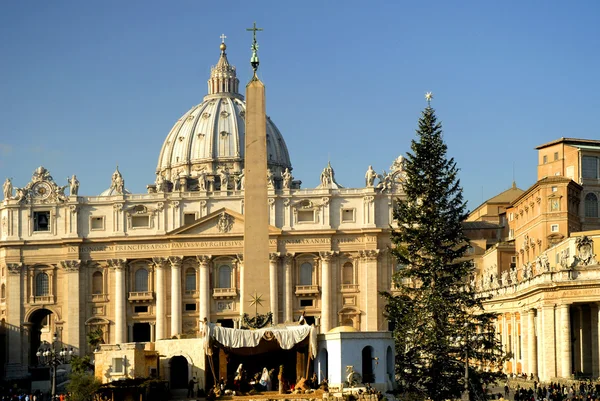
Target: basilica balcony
(307, 290)
(140, 296)
(42, 299)
(222, 293)
(98, 298)
(349, 288)
(190, 293)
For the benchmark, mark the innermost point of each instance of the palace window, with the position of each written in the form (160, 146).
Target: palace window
(41, 221)
(555, 156)
(117, 365)
(97, 283)
(190, 279)
(591, 205)
(348, 273)
(42, 285)
(306, 274)
(554, 228)
(589, 167)
(141, 280)
(545, 158)
(224, 277)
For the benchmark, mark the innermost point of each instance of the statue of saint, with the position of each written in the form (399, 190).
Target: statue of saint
(242, 179)
(287, 179)
(73, 185)
(370, 177)
(326, 176)
(118, 184)
(224, 176)
(8, 189)
(270, 179)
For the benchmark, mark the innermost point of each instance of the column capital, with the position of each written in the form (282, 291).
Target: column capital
(203, 260)
(159, 262)
(240, 257)
(70, 266)
(15, 268)
(369, 254)
(274, 256)
(176, 261)
(288, 258)
(117, 264)
(326, 256)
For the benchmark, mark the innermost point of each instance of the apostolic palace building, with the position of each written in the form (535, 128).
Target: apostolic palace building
(152, 266)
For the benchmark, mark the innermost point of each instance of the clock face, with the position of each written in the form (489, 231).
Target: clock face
(42, 190)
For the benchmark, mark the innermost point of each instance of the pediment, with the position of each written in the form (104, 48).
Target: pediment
(220, 222)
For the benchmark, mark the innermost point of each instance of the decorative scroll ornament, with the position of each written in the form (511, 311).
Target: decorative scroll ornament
(70, 265)
(41, 189)
(225, 223)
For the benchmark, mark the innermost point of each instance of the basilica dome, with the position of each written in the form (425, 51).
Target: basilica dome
(210, 136)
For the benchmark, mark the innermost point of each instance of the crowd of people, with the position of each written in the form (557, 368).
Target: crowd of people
(13, 394)
(579, 391)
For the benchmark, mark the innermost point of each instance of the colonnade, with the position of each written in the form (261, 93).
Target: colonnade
(553, 340)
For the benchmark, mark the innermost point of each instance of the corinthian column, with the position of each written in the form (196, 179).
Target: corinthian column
(73, 333)
(288, 287)
(203, 261)
(565, 339)
(161, 298)
(175, 295)
(119, 266)
(325, 291)
(273, 286)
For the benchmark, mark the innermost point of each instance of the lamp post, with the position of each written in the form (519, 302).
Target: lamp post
(49, 355)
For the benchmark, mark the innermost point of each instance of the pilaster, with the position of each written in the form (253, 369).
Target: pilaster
(72, 336)
(14, 311)
(372, 306)
(595, 320)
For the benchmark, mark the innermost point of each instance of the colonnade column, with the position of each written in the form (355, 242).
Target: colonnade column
(176, 262)
(203, 261)
(273, 285)
(549, 346)
(119, 266)
(288, 287)
(160, 265)
(325, 291)
(565, 339)
(523, 315)
(594, 312)
(531, 343)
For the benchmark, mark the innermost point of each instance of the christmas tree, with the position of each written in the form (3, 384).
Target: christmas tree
(445, 341)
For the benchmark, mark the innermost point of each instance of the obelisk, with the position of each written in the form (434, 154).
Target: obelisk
(255, 276)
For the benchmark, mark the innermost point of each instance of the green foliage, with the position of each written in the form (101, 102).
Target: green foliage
(81, 364)
(83, 387)
(436, 314)
(95, 337)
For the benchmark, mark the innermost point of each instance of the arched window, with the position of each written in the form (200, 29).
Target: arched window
(190, 279)
(306, 274)
(42, 286)
(591, 205)
(97, 283)
(348, 273)
(141, 280)
(225, 276)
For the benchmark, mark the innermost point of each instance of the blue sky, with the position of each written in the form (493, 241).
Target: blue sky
(85, 85)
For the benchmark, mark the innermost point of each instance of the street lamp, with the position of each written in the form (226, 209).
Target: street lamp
(49, 355)
(466, 342)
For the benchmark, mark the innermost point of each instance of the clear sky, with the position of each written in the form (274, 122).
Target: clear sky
(85, 85)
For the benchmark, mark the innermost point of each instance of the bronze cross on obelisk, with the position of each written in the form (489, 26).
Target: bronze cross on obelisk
(254, 62)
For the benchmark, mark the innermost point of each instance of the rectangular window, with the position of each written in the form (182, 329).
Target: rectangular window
(306, 302)
(306, 216)
(554, 189)
(554, 228)
(555, 156)
(140, 309)
(140, 221)
(347, 215)
(41, 221)
(189, 218)
(589, 167)
(97, 223)
(545, 158)
(511, 233)
(117, 365)
(190, 307)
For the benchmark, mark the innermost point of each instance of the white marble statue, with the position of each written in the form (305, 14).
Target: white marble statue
(242, 179)
(224, 176)
(8, 189)
(327, 176)
(118, 184)
(513, 276)
(202, 180)
(73, 185)
(287, 179)
(370, 176)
